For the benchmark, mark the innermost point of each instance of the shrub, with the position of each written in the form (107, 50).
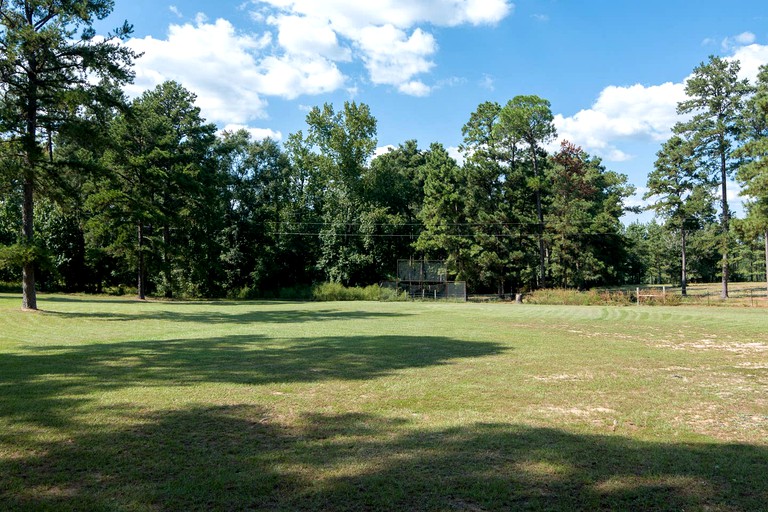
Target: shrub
(338, 292)
(295, 293)
(6, 287)
(570, 297)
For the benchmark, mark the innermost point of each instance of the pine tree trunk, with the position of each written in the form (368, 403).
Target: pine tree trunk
(725, 225)
(141, 270)
(766, 258)
(29, 294)
(28, 291)
(167, 262)
(684, 273)
(542, 265)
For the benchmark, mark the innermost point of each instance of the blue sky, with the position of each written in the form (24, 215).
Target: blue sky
(613, 71)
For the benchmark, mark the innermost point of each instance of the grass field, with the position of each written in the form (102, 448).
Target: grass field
(110, 404)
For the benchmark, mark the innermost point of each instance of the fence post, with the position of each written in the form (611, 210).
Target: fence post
(664, 294)
(638, 295)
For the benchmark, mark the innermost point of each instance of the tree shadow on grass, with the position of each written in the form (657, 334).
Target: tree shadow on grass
(241, 458)
(222, 316)
(46, 385)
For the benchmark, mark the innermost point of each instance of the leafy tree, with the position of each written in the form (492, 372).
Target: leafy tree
(487, 205)
(499, 203)
(443, 212)
(681, 193)
(529, 119)
(51, 63)
(749, 235)
(753, 173)
(345, 142)
(637, 263)
(716, 96)
(160, 189)
(393, 192)
(583, 219)
(257, 195)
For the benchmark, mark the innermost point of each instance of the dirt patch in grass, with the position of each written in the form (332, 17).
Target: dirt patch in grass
(564, 377)
(706, 344)
(722, 424)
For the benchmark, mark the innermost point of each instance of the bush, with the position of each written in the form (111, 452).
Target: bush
(338, 292)
(6, 287)
(569, 297)
(295, 293)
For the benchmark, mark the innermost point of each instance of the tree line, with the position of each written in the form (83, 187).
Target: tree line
(102, 193)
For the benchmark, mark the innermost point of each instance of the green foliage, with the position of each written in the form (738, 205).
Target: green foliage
(443, 212)
(344, 142)
(17, 255)
(571, 297)
(328, 292)
(583, 231)
(159, 209)
(715, 101)
(52, 71)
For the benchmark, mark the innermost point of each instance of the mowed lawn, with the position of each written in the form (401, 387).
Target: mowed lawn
(109, 404)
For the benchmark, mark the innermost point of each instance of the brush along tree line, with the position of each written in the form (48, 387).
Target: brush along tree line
(99, 192)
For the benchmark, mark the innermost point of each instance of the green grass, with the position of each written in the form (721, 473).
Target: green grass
(113, 404)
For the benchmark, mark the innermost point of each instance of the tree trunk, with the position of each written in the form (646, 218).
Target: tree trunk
(725, 223)
(167, 262)
(542, 266)
(766, 258)
(141, 269)
(29, 294)
(684, 273)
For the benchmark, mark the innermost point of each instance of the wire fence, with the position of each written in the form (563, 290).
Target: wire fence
(743, 294)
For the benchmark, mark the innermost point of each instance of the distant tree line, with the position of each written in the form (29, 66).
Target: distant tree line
(100, 193)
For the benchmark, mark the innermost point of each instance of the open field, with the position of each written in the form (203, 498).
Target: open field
(109, 404)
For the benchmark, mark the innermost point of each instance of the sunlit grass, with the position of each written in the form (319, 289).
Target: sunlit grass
(110, 404)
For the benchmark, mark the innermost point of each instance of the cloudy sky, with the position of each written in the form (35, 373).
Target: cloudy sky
(613, 71)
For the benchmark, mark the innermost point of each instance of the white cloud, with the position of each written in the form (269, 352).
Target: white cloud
(742, 39)
(175, 10)
(488, 82)
(415, 88)
(636, 200)
(635, 112)
(639, 112)
(256, 133)
(300, 35)
(348, 15)
(389, 36)
(211, 60)
(392, 57)
(745, 38)
(228, 70)
(455, 153)
(383, 150)
(750, 58)
(292, 76)
(300, 50)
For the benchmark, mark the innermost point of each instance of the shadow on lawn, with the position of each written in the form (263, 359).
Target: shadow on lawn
(239, 458)
(45, 385)
(222, 316)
